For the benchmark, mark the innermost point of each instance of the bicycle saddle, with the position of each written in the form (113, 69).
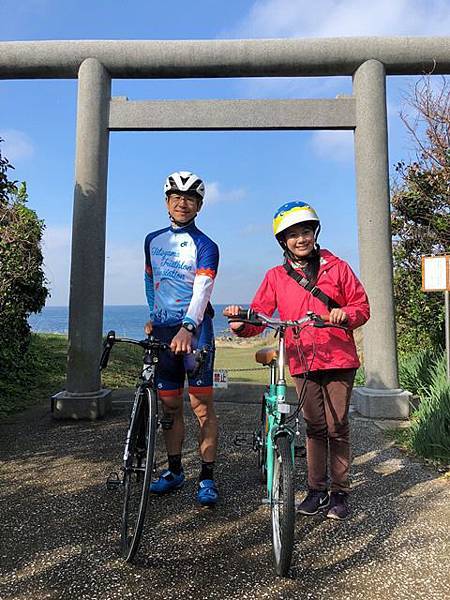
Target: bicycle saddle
(266, 355)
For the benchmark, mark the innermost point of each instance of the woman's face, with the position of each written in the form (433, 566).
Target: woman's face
(300, 240)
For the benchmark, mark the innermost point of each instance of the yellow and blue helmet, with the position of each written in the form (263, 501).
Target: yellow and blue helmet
(293, 213)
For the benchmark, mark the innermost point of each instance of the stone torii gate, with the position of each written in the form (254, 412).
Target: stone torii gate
(366, 60)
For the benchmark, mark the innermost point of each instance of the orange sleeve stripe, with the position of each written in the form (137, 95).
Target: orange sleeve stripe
(208, 272)
(170, 393)
(200, 391)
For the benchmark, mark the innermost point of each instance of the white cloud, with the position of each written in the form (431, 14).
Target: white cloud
(17, 145)
(337, 18)
(333, 145)
(215, 194)
(333, 18)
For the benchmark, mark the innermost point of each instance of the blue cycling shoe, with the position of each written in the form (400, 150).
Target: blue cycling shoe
(207, 493)
(167, 482)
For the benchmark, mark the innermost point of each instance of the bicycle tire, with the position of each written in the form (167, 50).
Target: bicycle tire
(283, 506)
(136, 483)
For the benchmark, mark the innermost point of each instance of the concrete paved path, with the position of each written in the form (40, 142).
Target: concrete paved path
(59, 534)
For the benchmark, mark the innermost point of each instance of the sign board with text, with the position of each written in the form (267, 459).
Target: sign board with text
(220, 378)
(436, 273)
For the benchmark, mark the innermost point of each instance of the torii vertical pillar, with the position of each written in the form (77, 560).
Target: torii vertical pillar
(84, 398)
(382, 397)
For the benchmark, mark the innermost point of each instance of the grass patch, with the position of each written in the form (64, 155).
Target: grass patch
(424, 373)
(124, 367)
(41, 374)
(43, 371)
(238, 357)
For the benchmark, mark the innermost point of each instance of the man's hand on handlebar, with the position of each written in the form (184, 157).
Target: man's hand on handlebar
(233, 311)
(182, 342)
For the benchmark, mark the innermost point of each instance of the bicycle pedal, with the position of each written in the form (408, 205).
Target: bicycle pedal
(113, 481)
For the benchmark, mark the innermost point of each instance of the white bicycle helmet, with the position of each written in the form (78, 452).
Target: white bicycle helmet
(185, 182)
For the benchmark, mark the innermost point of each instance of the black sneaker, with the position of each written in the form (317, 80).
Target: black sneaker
(315, 501)
(339, 508)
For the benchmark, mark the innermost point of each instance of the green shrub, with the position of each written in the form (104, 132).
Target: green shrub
(420, 214)
(416, 371)
(22, 280)
(360, 378)
(425, 375)
(430, 428)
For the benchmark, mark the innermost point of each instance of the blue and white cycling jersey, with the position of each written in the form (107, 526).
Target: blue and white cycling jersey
(180, 267)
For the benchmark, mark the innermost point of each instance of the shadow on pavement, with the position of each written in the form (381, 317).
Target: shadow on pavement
(61, 526)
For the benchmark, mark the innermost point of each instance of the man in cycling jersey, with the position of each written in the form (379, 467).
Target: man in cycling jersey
(180, 267)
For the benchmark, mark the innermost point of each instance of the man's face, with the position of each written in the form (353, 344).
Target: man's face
(182, 208)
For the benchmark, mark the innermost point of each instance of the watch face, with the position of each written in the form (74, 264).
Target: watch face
(189, 327)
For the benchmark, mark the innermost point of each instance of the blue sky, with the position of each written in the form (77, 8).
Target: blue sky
(247, 174)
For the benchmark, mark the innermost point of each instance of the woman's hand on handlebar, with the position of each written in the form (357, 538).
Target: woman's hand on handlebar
(337, 316)
(233, 311)
(148, 328)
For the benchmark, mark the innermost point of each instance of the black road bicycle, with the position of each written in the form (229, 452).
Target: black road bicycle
(139, 455)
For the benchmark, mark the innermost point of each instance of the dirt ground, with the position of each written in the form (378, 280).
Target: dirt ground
(60, 525)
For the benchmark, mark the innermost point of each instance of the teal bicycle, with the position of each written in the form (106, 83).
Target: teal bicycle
(275, 439)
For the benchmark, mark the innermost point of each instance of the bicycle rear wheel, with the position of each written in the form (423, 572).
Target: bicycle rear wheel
(283, 506)
(138, 472)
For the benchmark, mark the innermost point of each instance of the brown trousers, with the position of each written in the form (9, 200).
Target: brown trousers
(327, 400)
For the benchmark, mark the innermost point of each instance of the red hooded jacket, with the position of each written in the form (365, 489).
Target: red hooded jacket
(316, 349)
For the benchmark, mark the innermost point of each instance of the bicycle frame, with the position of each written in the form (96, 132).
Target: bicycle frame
(147, 377)
(275, 440)
(276, 409)
(148, 373)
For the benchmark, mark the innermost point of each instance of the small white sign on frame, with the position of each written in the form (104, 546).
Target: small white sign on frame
(436, 273)
(220, 378)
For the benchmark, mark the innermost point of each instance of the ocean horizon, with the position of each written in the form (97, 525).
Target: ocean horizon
(126, 320)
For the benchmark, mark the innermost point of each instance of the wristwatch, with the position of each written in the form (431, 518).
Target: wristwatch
(189, 327)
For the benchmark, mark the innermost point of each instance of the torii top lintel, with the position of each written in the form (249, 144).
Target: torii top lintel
(225, 58)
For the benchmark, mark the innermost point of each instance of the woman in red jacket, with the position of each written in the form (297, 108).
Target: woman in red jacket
(325, 361)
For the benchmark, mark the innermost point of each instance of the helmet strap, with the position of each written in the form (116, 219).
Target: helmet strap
(178, 224)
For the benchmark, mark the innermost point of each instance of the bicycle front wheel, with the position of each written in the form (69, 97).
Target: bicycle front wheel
(283, 506)
(138, 472)
(261, 437)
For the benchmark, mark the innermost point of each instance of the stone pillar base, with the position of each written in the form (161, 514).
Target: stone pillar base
(81, 405)
(382, 404)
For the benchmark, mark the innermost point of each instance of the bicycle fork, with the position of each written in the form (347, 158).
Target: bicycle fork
(276, 408)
